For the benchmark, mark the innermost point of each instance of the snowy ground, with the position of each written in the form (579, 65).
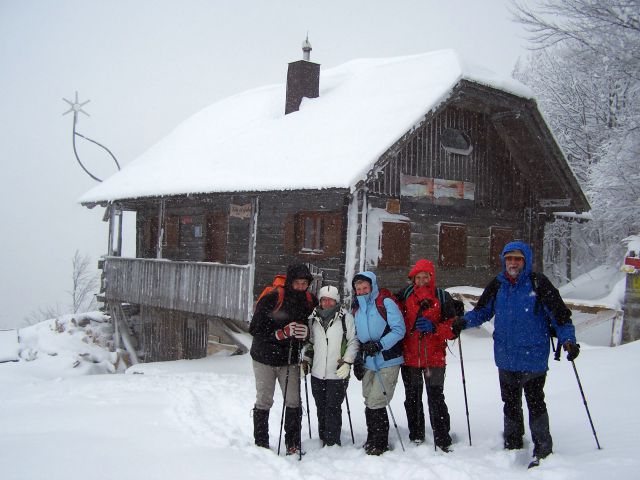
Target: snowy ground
(191, 419)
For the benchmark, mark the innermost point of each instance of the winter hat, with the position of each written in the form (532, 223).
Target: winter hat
(422, 265)
(329, 292)
(298, 271)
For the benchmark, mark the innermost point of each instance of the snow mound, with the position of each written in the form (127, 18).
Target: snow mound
(69, 345)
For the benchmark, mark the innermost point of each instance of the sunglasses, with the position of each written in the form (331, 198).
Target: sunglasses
(510, 258)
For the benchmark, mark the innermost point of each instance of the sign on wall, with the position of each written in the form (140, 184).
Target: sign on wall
(437, 189)
(240, 211)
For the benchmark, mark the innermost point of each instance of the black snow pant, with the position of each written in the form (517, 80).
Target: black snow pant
(329, 395)
(412, 377)
(511, 386)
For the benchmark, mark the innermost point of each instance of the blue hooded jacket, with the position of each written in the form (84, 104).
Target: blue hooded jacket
(370, 325)
(521, 331)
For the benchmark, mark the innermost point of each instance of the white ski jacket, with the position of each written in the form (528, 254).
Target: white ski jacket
(327, 344)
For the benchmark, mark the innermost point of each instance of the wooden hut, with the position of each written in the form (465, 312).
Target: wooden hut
(377, 163)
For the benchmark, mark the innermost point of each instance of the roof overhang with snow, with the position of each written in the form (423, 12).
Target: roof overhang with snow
(245, 143)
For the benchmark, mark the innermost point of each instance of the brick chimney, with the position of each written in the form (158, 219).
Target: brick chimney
(303, 80)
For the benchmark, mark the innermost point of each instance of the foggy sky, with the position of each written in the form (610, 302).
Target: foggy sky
(146, 65)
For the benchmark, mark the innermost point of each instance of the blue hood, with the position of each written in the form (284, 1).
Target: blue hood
(374, 285)
(528, 256)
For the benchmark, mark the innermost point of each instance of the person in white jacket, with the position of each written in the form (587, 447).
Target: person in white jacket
(331, 352)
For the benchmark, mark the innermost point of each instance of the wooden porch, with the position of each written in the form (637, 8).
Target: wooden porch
(211, 289)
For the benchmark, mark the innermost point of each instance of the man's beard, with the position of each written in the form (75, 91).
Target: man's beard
(513, 272)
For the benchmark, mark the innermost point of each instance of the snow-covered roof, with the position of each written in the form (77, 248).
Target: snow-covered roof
(246, 143)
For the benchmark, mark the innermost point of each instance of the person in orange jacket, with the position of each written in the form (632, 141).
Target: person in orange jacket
(428, 327)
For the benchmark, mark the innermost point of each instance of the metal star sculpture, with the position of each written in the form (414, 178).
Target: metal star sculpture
(76, 106)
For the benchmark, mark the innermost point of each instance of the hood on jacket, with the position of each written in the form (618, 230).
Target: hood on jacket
(526, 251)
(367, 276)
(297, 271)
(423, 265)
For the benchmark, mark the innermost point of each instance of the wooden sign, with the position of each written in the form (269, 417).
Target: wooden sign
(240, 211)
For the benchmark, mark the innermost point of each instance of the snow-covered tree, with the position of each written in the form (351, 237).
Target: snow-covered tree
(585, 71)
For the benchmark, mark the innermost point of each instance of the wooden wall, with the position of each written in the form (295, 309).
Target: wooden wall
(276, 213)
(172, 335)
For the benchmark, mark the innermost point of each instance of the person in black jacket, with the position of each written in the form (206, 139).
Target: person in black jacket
(279, 328)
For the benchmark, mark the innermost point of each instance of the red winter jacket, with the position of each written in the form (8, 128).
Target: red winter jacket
(424, 349)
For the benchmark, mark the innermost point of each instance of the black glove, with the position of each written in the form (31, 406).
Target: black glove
(457, 326)
(572, 349)
(370, 348)
(425, 304)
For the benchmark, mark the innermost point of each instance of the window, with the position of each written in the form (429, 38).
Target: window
(395, 244)
(456, 141)
(452, 245)
(499, 238)
(313, 233)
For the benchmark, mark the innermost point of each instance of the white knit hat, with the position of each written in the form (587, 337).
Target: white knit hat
(329, 292)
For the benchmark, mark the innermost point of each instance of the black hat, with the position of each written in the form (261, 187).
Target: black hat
(298, 271)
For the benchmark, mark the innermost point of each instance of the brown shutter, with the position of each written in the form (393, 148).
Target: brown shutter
(332, 233)
(290, 246)
(452, 246)
(171, 231)
(499, 238)
(216, 237)
(395, 244)
(150, 237)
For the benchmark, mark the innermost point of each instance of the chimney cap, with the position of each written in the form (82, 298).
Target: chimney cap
(306, 48)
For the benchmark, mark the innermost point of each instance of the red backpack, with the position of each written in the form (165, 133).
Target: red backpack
(383, 293)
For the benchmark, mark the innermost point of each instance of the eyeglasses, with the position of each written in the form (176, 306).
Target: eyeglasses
(510, 258)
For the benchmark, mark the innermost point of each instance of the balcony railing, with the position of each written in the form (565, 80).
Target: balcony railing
(213, 289)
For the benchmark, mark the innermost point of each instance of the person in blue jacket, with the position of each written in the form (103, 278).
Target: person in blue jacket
(380, 329)
(526, 306)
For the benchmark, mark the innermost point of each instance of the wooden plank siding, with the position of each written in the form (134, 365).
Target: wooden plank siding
(502, 195)
(210, 289)
(276, 230)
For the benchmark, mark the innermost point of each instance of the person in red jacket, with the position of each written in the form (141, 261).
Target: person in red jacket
(428, 327)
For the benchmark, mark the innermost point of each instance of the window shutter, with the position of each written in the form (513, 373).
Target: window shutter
(172, 232)
(290, 244)
(452, 246)
(216, 237)
(332, 231)
(499, 238)
(395, 244)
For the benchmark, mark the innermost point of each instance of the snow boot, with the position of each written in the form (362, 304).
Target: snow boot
(543, 444)
(292, 423)
(261, 427)
(379, 433)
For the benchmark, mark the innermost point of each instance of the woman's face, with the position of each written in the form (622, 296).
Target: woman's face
(422, 279)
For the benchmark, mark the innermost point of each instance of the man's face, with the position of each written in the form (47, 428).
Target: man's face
(422, 279)
(362, 287)
(513, 265)
(300, 284)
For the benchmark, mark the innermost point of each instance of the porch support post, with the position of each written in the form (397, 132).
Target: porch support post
(160, 228)
(253, 229)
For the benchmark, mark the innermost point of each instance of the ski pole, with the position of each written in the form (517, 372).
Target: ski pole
(306, 393)
(284, 396)
(346, 397)
(388, 400)
(584, 398)
(464, 387)
(300, 408)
